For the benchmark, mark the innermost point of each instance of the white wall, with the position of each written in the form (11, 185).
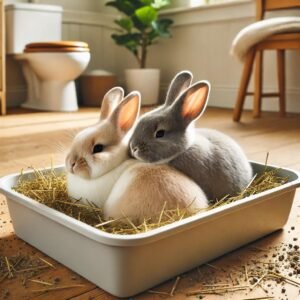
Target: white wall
(83, 5)
(203, 38)
(201, 41)
(77, 5)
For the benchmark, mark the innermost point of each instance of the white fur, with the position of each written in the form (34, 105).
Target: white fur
(95, 190)
(134, 197)
(190, 135)
(112, 206)
(201, 141)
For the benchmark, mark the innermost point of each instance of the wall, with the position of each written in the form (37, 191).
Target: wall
(201, 41)
(76, 5)
(203, 38)
(81, 5)
(82, 20)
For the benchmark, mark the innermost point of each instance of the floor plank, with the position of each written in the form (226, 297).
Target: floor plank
(34, 138)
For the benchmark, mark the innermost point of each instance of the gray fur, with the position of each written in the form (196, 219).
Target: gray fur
(180, 82)
(222, 170)
(212, 159)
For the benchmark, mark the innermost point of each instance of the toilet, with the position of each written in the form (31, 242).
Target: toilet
(49, 64)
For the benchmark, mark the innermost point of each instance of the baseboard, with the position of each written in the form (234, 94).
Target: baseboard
(16, 95)
(224, 97)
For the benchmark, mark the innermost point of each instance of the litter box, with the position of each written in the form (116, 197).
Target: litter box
(125, 265)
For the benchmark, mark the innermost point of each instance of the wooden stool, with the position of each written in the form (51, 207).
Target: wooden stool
(278, 42)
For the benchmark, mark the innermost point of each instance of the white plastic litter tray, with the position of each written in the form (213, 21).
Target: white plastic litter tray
(127, 265)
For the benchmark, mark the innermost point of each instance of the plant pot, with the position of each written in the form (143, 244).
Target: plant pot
(146, 81)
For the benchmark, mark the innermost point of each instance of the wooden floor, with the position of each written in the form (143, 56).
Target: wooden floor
(33, 138)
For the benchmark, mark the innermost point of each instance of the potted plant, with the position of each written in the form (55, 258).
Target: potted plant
(140, 28)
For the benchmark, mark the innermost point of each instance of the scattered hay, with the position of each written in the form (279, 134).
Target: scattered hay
(22, 265)
(271, 271)
(269, 179)
(49, 188)
(29, 269)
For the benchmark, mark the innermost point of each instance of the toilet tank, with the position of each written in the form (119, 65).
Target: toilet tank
(27, 23)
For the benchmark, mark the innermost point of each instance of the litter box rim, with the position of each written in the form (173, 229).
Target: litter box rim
(7, 182)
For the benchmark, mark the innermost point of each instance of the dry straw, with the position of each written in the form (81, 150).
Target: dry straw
(49, 188)
(22, 265)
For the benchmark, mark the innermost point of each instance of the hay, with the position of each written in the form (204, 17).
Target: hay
(49, 188)
(24, 266)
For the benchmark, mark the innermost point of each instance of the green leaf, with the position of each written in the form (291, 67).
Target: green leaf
(128, 40)
(146, 15)
(138, 24)
(152, 35)
(158, 4)
(141, 25)
(126, 7)
(141, 3)
(146, 2)
(161, 28)
(125, 23)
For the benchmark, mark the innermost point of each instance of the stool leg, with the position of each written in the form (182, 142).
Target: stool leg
(281, 80)
(237, 112)
(258, 84)
(3, 104)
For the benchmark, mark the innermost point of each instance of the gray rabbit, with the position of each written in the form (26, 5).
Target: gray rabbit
(166, 135)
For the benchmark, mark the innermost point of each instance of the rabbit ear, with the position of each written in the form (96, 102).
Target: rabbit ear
(110, 100)
(126, 113)
(180, 82)
(191, 104)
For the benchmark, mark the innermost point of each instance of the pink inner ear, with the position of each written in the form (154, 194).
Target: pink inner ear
(127, 115)
(194, 103)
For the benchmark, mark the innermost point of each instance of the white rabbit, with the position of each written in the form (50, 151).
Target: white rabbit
(100, 170)
(212, 159)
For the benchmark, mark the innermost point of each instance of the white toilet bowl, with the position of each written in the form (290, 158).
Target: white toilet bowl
(50, 69)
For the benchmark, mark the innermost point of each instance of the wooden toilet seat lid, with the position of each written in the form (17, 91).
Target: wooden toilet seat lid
(59, 46)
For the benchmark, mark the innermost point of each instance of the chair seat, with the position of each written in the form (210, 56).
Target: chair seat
(260, 31)
(280, 41)
(284, 37)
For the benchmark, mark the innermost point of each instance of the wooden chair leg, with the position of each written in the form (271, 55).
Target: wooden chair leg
(248, 65)
(258, 84)
(281, 80)
(3, 104)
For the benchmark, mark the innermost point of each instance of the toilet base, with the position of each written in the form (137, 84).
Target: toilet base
(54, 96)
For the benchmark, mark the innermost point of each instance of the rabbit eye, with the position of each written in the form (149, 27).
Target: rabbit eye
(159, 133)
(98, 148)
